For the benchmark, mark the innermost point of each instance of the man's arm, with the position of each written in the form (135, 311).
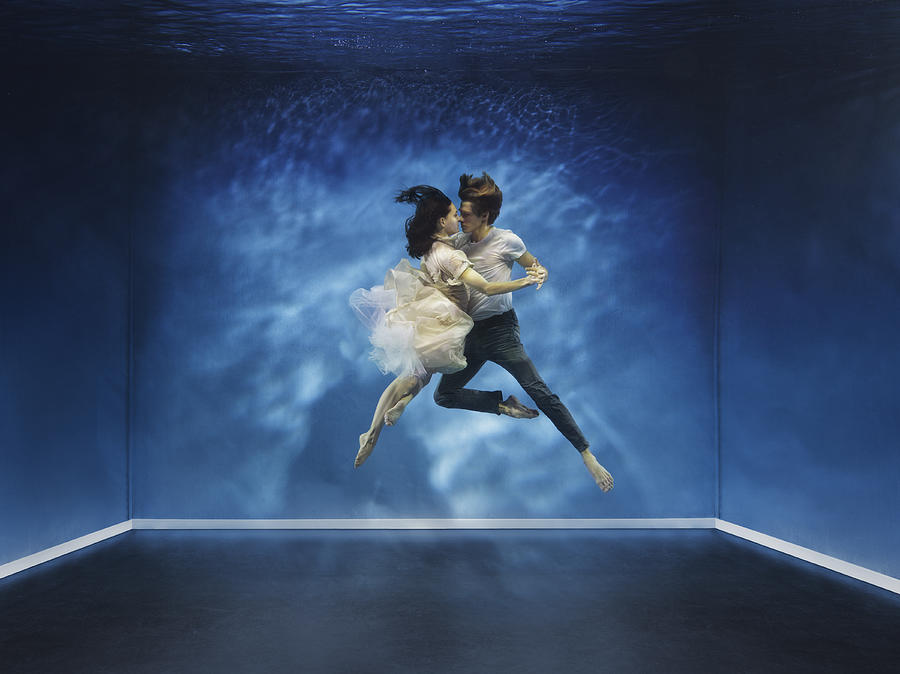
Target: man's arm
(537, 270)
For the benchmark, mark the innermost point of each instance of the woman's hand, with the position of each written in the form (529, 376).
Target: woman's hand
(537, 272)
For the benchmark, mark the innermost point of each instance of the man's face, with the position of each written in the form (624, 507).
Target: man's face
(468, 220)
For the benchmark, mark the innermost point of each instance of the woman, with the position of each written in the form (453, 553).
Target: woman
(418, 319)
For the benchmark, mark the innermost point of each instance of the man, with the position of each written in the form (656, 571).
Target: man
(495, 336)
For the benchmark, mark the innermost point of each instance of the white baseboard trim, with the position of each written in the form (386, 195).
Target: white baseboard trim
(846, 568)
(23, 563)
(358, 524)
(429, 524)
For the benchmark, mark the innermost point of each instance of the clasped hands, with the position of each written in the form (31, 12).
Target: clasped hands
(538, 273)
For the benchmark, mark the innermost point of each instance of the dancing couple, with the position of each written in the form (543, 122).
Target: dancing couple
(455, 313)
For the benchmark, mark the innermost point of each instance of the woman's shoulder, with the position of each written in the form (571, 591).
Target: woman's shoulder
(445, 261)
(441, 249)
(449, 253)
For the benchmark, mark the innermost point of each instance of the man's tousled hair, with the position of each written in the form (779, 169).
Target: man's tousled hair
(482, 193)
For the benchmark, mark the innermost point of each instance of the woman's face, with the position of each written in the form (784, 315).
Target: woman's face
(449, 224)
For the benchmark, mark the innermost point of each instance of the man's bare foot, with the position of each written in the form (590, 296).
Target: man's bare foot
(601, 476)
(511, 407)
(391, 416)
(366, 445)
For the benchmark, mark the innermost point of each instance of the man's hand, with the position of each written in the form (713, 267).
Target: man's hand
(538, 273)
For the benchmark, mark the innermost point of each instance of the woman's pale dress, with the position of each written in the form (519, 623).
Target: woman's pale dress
(417, 319)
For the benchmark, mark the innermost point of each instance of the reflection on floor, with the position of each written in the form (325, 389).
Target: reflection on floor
(450, 601)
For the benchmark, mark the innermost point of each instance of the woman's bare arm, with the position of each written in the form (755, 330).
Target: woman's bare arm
(472, 278)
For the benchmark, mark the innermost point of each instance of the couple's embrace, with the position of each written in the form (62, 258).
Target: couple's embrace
(455, 313)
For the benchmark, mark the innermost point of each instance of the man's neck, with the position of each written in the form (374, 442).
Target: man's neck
(478, 234)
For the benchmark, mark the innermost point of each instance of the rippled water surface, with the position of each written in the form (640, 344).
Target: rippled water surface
(855, 36)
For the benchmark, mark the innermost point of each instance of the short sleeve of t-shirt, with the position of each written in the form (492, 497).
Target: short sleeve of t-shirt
(513, 247)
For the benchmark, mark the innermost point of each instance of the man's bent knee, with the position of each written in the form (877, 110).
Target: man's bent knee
(443, 398)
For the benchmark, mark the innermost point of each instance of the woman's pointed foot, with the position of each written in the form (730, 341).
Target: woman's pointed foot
(366, 446)
(601, 476)
(511, 407)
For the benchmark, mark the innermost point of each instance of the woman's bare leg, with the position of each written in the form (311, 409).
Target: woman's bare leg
(391, 416)
(398, 389)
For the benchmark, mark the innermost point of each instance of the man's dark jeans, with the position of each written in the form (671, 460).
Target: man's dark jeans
(497, 339)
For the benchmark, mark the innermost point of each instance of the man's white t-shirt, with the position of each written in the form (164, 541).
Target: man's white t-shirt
(492, 257)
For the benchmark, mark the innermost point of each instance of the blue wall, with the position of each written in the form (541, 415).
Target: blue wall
(810, 310)
(271, 201)
(64, 293)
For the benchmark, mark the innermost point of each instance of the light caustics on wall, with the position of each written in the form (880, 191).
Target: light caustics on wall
(252, 375)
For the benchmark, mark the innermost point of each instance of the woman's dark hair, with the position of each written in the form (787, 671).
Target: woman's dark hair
(431, 206)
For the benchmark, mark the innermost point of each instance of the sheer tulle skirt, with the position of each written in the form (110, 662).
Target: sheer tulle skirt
(414, 328)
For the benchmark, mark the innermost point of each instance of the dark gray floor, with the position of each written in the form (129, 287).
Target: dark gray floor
(489, 601)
